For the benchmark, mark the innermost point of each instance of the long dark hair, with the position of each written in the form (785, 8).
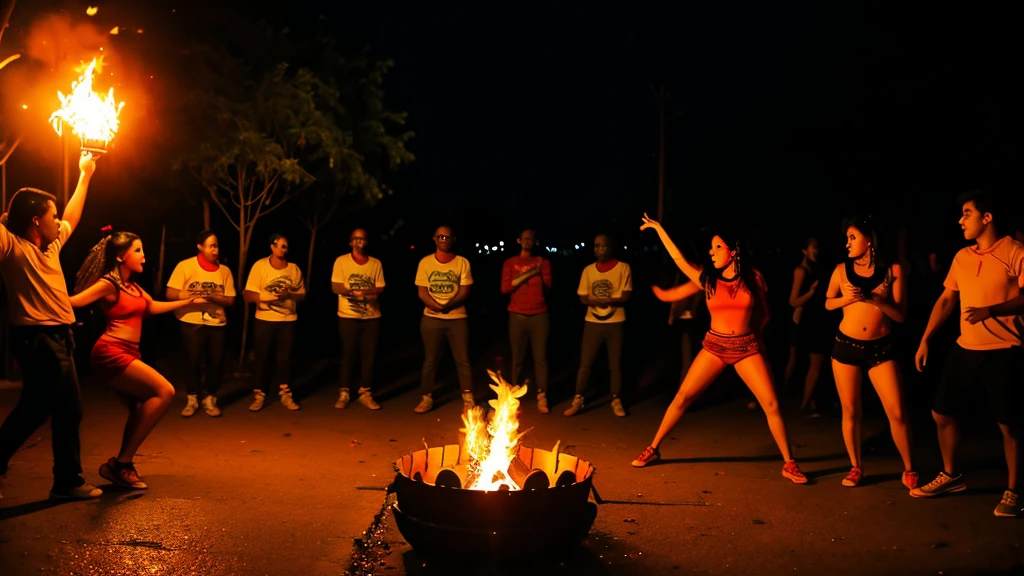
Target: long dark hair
(102, 259)
(743, 261)
(868, 226)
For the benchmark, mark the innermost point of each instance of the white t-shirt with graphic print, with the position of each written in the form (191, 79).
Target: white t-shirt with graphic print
(189, 277)
(442, 282)
(610, 284)
(270, 282)
(356, 276)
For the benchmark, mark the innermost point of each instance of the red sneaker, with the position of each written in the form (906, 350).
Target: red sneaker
(123, 475)
(910, 479)
(853, 478)
(646, 457)
(792, 471)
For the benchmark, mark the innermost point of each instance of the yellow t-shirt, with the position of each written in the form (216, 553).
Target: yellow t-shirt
(443, 282)
(37, 292)
(610, 284)
(985, 279)
(268, 281)
(357, 276)
(189, 277)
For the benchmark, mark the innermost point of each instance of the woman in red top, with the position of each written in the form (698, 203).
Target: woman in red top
(739, 312)
(106, 277)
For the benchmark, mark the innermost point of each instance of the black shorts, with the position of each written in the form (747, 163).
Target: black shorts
(968, 372)
(863, 353)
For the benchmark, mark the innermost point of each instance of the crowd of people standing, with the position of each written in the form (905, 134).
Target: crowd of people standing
(868, 289)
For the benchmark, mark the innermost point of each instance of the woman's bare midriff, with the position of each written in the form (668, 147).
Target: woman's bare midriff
(726, 329)
(862, 321)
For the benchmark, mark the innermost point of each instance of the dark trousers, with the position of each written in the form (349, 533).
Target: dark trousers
(204, 346)
(456, 332)
(273, 342)
(593, 335)
(358, 337)
(530, 330)
(49, 389)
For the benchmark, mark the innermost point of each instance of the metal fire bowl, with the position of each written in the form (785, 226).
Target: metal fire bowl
(443, 522)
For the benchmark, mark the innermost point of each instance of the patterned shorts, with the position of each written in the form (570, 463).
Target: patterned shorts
(732, 349)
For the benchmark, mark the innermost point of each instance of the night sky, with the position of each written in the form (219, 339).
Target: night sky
(789, 116)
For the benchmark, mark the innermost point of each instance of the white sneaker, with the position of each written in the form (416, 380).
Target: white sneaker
(344, 397)
(210, 406)
(191, 405)
(577, 405)
(425, 405)
(257, 401)
(286, 399)
(366, 399)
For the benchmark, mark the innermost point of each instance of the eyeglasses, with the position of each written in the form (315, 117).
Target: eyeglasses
(444, 237)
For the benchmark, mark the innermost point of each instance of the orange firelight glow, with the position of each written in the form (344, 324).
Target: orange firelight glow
(492, 445)
(94, 119)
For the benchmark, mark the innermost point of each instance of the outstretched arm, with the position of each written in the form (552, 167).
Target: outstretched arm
(676, 293)
(73, 211)
(691, 270)
(154, 307)
(100, 289)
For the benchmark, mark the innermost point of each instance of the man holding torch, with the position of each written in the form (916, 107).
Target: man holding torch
(41, 317)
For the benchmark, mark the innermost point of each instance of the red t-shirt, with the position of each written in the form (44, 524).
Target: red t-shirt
(528, 297)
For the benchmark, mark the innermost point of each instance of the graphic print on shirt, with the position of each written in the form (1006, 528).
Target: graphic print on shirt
(278, 287)
(443, 282)
(360, 306)
(199, 289)
(602, 288)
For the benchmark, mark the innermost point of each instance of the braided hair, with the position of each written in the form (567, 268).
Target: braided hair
(102, 259)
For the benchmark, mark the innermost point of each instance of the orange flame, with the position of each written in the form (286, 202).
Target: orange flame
(492, 446)
(92, 118)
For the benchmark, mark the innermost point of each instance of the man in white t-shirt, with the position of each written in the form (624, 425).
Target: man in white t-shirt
(275, 286)
(41, 317)
(605, 286)
(203, 331)
(443, 282)
(358, 280)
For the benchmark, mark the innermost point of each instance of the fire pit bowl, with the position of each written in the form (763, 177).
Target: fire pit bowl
(549, 517)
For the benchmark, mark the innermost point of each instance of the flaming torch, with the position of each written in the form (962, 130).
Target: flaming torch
(92, 118)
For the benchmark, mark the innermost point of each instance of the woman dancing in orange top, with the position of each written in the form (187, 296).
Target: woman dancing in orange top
(106, 277)
(735, 298)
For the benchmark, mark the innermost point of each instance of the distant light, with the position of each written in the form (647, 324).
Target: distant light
(24, 106)
(577, 246)
(624, 247)
(477, 244)
(582, 244)
(115, 30)
(501, 243)
(91, 10)
(486, 247)
(412, 246)
(502, 248)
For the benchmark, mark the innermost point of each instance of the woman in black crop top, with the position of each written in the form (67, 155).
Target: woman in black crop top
(872, 295)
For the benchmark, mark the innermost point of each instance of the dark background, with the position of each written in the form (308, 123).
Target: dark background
(784, 119)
